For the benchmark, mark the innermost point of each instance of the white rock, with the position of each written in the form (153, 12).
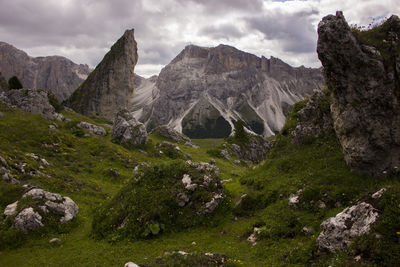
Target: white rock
(44, 162)
(11, 209)
(92, 128)
(379, 194)
(131, 264)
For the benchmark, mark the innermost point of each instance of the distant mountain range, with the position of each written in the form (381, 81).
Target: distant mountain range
(201, 93)
(54, 73)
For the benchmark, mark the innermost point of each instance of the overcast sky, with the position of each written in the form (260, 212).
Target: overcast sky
(84, 30)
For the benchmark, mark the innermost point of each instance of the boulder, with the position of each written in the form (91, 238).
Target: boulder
(364, 82)
(255, 149)
(314, 119)
(28, 220)
(170, 133)
(94, 129)
(30, 100)
(7, 176)
(127, 130)
(131, 264)
(11, 209)
(337, 232)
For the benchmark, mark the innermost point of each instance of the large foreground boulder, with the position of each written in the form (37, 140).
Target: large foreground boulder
(337, 232)
(168, 132)
(127, 130)
(362, 72)
(38, 207)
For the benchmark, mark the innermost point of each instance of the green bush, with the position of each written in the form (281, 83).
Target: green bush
(14, 83)
(53, 100)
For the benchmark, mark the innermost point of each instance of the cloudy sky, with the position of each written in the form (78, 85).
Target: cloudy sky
(84, 30)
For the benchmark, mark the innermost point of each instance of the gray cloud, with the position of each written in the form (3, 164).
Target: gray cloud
(295, 31)
(221, 6)
(224, 31)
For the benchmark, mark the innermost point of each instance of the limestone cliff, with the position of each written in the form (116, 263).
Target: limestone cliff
(110, 86)
(362, 73)
(203, 91)
(57, 74)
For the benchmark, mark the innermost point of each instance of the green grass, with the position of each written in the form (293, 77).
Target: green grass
(80, 168)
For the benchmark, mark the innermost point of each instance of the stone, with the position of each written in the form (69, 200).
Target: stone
(1, 114)
(94, 129)
(187, 182)
(212, 162)
(7, 176)
(204, 90)
(131, 264)
(294, 199)
(28, 220)
(314, 119)
(110, 87)
(59, 117)
(237, 162)
(11, 209)
(252, 239)
(182, 199)
(3, 162)
(255, 149)
(337, 232)
(364, 95)
(57, 74)
(307, 230)
(170, 133)
(191, 145)
(44, 162)
(55, 241)
(127, 130)
(225, 154)
(52, 127)
(30, 100)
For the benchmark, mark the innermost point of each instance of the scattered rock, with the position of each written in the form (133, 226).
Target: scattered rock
(212, 162)
(253, 237)
(11, 209)
(225, 154)
(191, 145)
(131, 264)
(3, 162)
(44, 162)
(294, 199)
(237, 162)
(307, 230)
(52, 127)
(7, 176)
(337, 232)
(321, 204)
(255, 149)
(1, 114)
(59, 117)
(55, 241)
(115, 172)
(94, 129)
(128, 130)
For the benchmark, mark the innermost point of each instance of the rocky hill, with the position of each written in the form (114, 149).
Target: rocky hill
(204, 90)
(54, 73)
(110, 86)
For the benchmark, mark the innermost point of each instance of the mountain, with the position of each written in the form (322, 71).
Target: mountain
(110, 86)
(204, 90)
(54, 73)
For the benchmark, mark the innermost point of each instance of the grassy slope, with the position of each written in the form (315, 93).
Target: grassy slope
(80, 169)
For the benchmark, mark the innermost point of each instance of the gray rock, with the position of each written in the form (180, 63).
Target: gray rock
(364, 103)
(170, 133)
(314, 119)
(128, 130)
(338, 232)
(110, 86)
(52, 127)
(28, 220)
(255, 149)
(54, 73)
(225, 154)
(94, 129)
(59, 117)
(30, 100)
(11, 209)
(55, 240)
(3, 162)
(1, 114)
(212, 162)
(7, 176)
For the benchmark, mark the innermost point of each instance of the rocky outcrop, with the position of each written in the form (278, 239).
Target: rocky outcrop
(170, 133)
(338, 232)
(314, 119)
(3, 83)
(204, 90)
(56, 74)
(30, 100)
(364, 81)
(255, 149)
(127, 130)
(94, 129)
(110, 86)
(36, 212)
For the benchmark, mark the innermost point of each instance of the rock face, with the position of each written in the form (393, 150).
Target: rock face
(255, 149)
(314, 119)
(204, 90)
(3, 83)
(170, 133)
(36, 212)
(337, 232)
(57, 74)
(110, 86)
(365, 93)
(127, 130)
(94, 129)
(30, 100)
